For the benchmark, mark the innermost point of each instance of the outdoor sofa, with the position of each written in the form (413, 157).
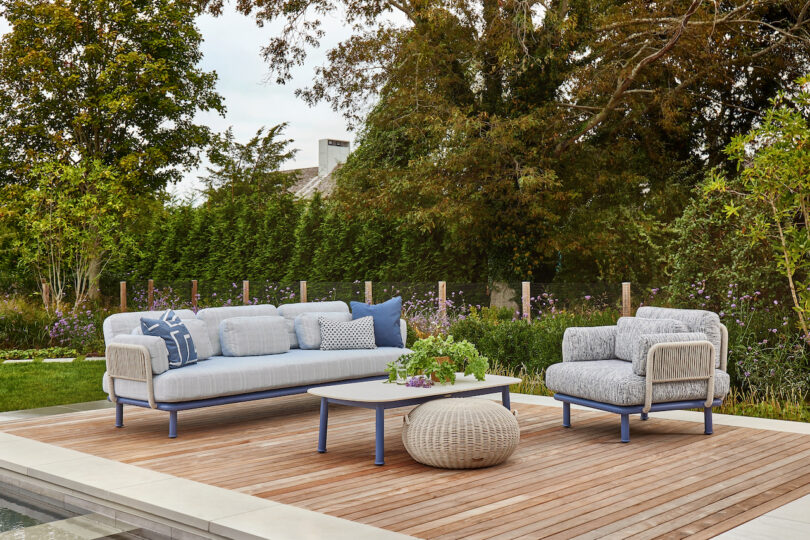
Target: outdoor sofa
(662, 359)
(138, 370)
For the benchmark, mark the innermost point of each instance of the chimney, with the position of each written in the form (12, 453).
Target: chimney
(331, 153)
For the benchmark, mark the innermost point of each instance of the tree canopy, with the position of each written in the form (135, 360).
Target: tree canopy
(107, 80)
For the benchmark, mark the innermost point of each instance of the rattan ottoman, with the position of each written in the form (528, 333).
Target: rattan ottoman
(460, 433)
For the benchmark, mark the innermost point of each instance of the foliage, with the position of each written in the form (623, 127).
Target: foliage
(252, 167)
(518, 344)
(103, 80)
(48, 352)
(539, 139)
(773, 161)
(23, 324)
(79, 329)
(31, 385)
(463, 357)
(68, 217)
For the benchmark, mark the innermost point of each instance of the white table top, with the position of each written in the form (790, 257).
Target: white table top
(383, 391)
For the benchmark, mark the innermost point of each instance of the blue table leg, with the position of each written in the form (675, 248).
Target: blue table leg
(379, 447)
(119, 414)
(566, 414)
(625, 428)
(645, 416)
(506, 399)
(324, 422)
(707, 420)
(172, 424)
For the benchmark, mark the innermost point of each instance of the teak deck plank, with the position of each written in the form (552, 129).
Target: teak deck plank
(670, 481)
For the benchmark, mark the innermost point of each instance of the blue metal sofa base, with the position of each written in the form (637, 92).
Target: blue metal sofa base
(625, 412)
(173, 408)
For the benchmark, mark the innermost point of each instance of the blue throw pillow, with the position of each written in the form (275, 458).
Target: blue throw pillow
(174, 333)
(386, 320)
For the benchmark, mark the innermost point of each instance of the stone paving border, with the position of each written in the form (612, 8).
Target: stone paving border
(52, 360)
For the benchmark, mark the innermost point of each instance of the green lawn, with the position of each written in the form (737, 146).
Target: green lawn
(32, 385)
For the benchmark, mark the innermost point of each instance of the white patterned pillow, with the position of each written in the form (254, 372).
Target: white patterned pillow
(356, 334)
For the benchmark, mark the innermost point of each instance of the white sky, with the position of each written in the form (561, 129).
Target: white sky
(232, 48)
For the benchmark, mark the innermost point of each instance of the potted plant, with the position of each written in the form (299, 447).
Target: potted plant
(439, 358)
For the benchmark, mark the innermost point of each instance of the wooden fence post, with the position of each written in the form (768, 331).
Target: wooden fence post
(150, 294)
(303, 285)
(527, 303)
(246, 292)
(194, 295)
(369, 290)
(442, 299)
(627, 309)
(123, 286)
(46, 294)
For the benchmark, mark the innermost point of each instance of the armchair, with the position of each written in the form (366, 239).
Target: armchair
(662, 359)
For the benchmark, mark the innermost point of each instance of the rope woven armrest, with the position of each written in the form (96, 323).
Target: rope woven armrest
(681, 361)
(133, 363)
(723, 348)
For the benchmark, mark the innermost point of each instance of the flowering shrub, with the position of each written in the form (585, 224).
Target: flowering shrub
(77, 329)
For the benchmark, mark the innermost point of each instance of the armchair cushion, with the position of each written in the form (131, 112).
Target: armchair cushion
(613, 381)
(155, 345)
(628, 330)
(646, 341)
(588, 343)
(696, 320)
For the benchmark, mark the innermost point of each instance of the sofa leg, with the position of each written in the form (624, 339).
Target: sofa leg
(625, 428)
(119, 415)
(566, 414)
(172, 424)
(707, 420)
(645, 416)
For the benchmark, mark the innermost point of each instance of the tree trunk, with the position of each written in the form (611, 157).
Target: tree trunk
(94, 273)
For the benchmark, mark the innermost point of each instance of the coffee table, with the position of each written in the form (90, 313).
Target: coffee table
(382, 395)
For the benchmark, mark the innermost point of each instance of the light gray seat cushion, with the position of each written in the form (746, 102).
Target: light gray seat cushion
(696, 320)
(214, 316)
(154, 344)
(308, 329)
(123, 323)
(223, 376)
(613, 381)
(199, 335)
(253, 336)
(628, 330)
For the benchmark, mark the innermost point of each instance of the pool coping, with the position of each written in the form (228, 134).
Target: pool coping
(164, 504)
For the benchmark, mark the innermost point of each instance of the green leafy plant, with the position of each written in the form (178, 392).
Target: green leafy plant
(428, 358)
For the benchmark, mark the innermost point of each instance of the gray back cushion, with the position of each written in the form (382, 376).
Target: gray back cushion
(123, 323)
(308, 329)
(629, 329)
(291, 311)
(214, 316)
(696, 320)
(253, 336)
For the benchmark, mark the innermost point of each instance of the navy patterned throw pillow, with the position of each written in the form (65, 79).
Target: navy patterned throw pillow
(174, 333)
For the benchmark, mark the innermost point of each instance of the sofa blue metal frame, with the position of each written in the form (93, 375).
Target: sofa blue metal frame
(174, 408)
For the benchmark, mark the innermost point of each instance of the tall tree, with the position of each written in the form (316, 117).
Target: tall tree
(108, 81)
(527, 130)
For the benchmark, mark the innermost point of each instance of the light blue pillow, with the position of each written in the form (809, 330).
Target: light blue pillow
(174, 333)
(386, 320)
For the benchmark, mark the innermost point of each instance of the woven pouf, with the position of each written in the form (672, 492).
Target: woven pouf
(460, 433)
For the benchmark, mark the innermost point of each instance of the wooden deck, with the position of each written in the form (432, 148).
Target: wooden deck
(670, 481)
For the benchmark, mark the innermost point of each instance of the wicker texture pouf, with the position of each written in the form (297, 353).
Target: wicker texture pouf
(460, 433)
